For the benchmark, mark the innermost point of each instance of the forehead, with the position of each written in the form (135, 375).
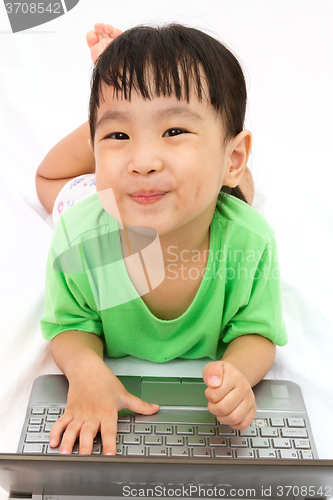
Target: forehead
(114, 106)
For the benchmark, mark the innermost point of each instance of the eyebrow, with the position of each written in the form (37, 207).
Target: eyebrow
(113, 115)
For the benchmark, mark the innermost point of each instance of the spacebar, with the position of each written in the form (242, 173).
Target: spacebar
(176, 416)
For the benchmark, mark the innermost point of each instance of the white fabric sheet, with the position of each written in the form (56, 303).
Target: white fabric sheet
(286, 52)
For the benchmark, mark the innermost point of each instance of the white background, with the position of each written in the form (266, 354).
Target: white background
(285, 48)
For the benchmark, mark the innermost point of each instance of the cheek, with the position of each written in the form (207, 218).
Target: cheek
(104, 172)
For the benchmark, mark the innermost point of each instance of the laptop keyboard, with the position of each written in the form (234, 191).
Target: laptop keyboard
(184, 433)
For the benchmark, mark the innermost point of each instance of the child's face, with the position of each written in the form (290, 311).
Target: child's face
(164, 159)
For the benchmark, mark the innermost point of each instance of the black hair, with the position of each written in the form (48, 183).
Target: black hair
(170, 60)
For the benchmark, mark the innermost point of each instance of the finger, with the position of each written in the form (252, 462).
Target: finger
(224, 398)
(109, 434)
(70, 435)
(58, 428)
(87, 435)
(240, 417)
(91, 38)
(213, 374)
(246, 422)
(139, 406)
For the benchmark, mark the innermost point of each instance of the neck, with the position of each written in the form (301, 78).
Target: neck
(181, 247)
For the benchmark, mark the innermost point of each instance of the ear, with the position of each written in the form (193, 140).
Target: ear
(238, 155)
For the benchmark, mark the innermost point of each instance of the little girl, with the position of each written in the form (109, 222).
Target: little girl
(166, 136)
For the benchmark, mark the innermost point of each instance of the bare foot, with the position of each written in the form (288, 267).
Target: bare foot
(99, 38)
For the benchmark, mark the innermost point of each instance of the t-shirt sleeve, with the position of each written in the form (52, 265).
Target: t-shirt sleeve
(262, 312)
(69, 302)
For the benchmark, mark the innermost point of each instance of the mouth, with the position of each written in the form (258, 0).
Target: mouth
(145, 197)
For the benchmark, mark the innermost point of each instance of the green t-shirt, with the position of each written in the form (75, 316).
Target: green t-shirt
(240, 292)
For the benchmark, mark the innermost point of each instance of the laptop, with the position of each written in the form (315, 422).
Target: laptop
(183, 427)
(274, 458)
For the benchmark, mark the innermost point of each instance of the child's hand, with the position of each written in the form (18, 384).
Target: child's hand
(99, 38)
(229, 394)
(92, 406)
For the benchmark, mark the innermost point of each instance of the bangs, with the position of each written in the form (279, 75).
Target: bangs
(171, 60)
(150, 62)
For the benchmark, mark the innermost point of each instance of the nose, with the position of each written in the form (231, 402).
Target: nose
(145, 160)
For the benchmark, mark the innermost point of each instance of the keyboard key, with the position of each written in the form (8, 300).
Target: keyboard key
(174, 441)
(223, 452)
(153, 440)
(48, 426)
(163, 429)
(260, 443)
(267, 453)
(52, 418)
(201, 452)
(269, 432)
(142, 429)
(288, 454)
(96, 449)
(295, 422)
(249, 432)
(54, 411)
(136, 450)
(277, 422)
(306, 454)
(53, 451)
(158, 451)
(131, 439)
(179, 451)
(226, 430)
(34, 428)
(37, 411)
(245, 453)
(303, 444)
(281, 443)
(124, 419)
(196, 441)
(205, 430)
(238, 442)
(185, 429)
(41, 437)
(296, 433)
(33, 448)
(217, 441)
(123, 428)
(36, 421)
(260, 422)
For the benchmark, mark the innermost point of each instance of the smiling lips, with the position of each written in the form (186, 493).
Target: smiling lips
(145, 197)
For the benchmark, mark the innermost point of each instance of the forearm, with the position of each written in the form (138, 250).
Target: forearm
(78, 353)
(253, 355)
(68, 159)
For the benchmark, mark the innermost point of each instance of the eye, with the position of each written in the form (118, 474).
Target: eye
(172, 132)
(119, 136)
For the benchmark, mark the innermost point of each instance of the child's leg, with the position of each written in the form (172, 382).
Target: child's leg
(100, 37)
(72, 193)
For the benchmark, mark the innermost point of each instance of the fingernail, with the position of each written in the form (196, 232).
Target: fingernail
(155, 405)
(215, 381)
(53, 442)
